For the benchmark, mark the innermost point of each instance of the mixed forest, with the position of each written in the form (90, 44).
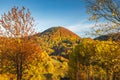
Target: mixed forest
(58, 53)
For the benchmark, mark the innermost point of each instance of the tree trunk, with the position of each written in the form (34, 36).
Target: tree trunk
(18, 72)
(1, 66)
(17, 66)
(111, 75)
(93, 75)
(107, 75)
(77, 71)
(101, 76)
(21, 68)
(114, 75)
(88, 72)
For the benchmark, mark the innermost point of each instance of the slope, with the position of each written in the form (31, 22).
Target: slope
(58, 33)
(60, 41)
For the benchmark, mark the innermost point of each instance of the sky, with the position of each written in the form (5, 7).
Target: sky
(70, 14)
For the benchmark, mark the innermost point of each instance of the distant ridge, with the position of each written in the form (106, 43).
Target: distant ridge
(113, 36)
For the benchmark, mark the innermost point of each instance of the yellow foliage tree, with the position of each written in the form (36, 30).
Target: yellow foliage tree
(93, 56)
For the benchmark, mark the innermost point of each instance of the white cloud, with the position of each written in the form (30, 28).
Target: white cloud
(81, 27)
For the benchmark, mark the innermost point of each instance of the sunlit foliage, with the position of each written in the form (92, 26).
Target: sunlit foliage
(92, 56)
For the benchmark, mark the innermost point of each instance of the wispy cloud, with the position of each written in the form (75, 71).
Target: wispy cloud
(81, 27)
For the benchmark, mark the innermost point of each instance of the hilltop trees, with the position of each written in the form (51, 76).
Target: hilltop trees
(19, 46)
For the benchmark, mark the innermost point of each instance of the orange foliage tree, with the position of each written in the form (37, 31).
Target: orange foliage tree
(19, 45)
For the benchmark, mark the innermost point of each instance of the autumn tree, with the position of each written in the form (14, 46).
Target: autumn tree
(107, 11)
(17, 23)
(108, 55)
(18, 27)
(91, 56)
(82, 56)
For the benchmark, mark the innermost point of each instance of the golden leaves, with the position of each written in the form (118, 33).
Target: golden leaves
(104, 55)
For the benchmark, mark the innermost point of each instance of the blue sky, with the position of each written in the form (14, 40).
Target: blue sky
(50, 13)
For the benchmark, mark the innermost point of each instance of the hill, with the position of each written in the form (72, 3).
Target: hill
(59, 41)
(57, 33)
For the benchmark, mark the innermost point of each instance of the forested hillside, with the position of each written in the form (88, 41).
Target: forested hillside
(59, 41)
